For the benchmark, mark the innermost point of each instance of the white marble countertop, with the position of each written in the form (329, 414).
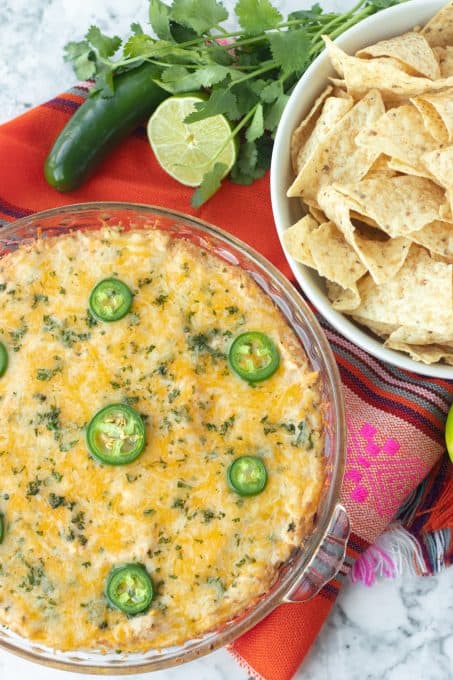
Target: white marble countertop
(393, 631)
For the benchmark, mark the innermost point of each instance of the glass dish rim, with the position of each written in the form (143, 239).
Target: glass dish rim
(269, 601)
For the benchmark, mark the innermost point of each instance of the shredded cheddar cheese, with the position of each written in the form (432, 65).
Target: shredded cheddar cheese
(70, 519)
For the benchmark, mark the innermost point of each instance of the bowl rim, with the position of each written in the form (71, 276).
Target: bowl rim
(304, 275)
(269, 601)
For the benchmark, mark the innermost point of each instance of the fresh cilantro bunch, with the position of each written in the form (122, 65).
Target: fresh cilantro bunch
(247, 74)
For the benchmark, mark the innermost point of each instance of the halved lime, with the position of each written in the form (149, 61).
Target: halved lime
(188, 151)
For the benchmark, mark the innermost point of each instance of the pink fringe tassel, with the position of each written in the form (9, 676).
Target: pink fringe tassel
(395, 552)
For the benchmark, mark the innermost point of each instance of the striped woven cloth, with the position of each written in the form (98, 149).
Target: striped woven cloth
(396, 473)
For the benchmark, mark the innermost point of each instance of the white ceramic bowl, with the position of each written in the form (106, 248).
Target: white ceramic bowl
(287, 211)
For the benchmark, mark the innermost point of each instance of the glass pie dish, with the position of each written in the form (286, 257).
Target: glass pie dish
(321, 555)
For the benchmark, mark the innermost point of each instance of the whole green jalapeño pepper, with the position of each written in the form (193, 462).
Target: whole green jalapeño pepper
(99, 124)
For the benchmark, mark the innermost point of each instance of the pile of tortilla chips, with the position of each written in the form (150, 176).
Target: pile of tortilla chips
(373, 162)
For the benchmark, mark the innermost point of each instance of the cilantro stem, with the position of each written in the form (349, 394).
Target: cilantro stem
(222, 30)
(241, 124)
(338, 19)
(271, 65)
(240, 43)
(351, 22)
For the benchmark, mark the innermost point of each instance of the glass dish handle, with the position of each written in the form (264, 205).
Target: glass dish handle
(328, 560)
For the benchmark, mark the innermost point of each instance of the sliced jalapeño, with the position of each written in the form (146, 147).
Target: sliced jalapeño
(116, 435)
(110, 300)
(129, 588)
(253, 356)
(247, 475)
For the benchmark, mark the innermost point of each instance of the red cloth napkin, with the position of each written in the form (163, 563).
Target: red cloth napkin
(395, 419)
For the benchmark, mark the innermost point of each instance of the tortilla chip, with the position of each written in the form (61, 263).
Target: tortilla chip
(440, 258)
(437, 112)
(405, 169)
(343, 300)
(362, 220)
(338, 209)
(399, 205)
(428, 354)
(340, 92)
(421, 295)
(337, 158)
(446, 211)
(440, 164)
(380, 168)
(420, 336)
(401, 134)
(436, 237)
(382, 259)
(305, 128)
(316, 213)
(445, 57)
(439, 31)
(412, 49)
(333, 110)
(334, 258)
(383, 330)
(295, 240)
(339, 84)
(360, 75)
(424, 345)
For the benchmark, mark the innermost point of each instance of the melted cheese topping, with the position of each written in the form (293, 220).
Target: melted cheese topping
(69, 519)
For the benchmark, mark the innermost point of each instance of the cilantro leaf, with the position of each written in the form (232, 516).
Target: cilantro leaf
(309, 15)
(256, 127)
(221, 101)
(210, 184)
(274, 112)
(256, 16)
(138, 45)
(83, 59)
(159, 18)
(200, 15)
(212, 74)
(102, 43)
(84, 66)
(73, 50)
(145, 46)
(218, 55)
(179, 79)
(182, 33)
(290, 50)
(271, 91)
(246, 97)
(244, 170)
(253, 161)
(377, 5)
(136, 28)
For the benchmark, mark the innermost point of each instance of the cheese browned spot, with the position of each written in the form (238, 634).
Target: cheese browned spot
(70, 519)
